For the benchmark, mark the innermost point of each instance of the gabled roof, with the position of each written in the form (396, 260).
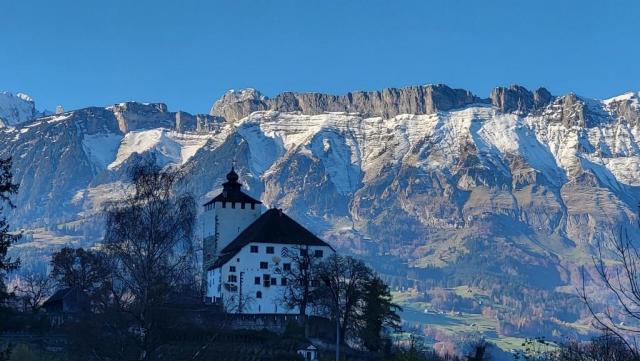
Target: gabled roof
(231, 192)
(74, 293)
(273, 226)
(221, 261)
(58, 295)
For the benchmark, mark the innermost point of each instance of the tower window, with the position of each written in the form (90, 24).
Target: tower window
(232, 268)
(266, 279)
(283, 281)
(256, 280)
(270, 250)
(254, 249)
(259, 294)
(264, 265)
(318, 253)
(286, 266)
(274, 281)
(233, 278)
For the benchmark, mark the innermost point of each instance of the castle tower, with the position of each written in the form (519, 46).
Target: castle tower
(225, 216)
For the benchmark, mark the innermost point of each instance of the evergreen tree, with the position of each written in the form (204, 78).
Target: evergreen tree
(7, 189)
(378, 312)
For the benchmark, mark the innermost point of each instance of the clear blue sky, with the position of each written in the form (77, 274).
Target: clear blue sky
(187, 53)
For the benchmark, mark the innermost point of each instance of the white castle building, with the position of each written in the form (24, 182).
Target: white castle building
(247, 253)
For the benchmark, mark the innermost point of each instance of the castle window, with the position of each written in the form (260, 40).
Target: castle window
(254, 249)
(266, 279)
(256, 280)
(270, 250)
(232, 268)
(224, 204)
(259, 294)
(283, 281)
(274, 281)
(318, 253)
(233, 204)
(286, 266)
(264, 265)
(242, 205)
(253, 206)
(233, 278)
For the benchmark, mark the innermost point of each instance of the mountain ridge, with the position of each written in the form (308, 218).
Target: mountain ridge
(424, 99)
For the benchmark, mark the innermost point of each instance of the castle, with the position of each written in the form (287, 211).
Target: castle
(248, 253)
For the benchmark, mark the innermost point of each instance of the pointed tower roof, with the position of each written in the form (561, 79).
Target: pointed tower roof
(231, 191)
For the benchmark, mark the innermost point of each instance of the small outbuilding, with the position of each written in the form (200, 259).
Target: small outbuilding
(67, 300)
(308, 351)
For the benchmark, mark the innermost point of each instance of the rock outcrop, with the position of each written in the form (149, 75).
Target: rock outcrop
(387, 103)
(15, 109)
(519, 99)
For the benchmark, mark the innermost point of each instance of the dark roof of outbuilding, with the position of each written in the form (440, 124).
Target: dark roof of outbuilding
(58, 295)
(74, 294)
(231, 191)
(273, 226)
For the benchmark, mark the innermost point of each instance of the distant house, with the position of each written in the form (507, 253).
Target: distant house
(308, 351)
(247, 253)
(67, 300)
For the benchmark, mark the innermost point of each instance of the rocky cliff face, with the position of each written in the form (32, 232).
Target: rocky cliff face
(387, 103)
(17, 108)
(519, 99)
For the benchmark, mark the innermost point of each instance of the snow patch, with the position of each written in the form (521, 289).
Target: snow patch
(101, 148)
(15, 109)
(170, 147)
(621, 98)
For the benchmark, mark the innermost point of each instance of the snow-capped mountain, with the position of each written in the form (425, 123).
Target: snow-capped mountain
(427, 182)
(16, 108)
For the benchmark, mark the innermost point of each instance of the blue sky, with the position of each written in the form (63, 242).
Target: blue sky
(187, 53)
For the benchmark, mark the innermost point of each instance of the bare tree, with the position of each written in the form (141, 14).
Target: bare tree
(299, 268)
(343, 284)
(620, 276)
(149, 237)
(79, 268)
(34, 288)
(606, 347)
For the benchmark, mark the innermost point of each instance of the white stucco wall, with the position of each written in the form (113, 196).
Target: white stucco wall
(247, 268)
(214, 287)
(232, 219)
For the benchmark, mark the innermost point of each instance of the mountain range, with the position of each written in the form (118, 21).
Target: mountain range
(508, 195)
